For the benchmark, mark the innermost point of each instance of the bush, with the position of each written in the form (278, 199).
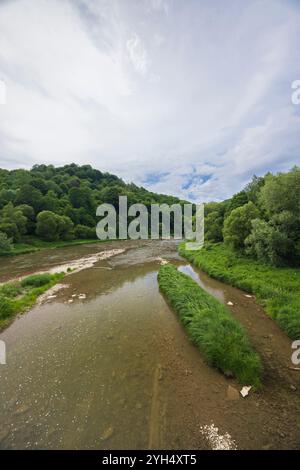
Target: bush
(83, 232)
(219, 337)
(6, 308)
(36, 280)
(5, 243)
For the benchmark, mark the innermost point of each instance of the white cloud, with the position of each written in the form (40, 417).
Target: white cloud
(138, 54)
(181, 89)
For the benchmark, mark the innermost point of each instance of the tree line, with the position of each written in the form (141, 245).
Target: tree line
(59, 203)
(262, 220)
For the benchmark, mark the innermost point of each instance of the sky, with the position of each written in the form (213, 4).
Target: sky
(183, 97)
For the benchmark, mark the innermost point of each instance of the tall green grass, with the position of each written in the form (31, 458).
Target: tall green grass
(220, 338)
(18, 296)
(277, 289)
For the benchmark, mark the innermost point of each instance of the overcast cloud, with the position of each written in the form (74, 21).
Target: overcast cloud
(186, 97)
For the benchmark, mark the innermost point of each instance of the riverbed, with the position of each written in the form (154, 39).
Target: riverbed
(104, 363)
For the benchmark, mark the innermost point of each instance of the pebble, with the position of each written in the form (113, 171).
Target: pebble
(107, 433)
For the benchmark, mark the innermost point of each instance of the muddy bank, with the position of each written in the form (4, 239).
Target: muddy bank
(114, 369)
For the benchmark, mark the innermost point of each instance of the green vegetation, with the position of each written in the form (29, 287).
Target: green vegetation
(262, 221)
(59, 204)
(260, 228)
(219, 337)
(278, 289)
(18, 296)
(35, 244)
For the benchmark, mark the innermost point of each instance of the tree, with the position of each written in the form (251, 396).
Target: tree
(51, 226)
(237, 200)
(30, 196)
(5, 243)
(281, 192)
(253, 188)
(47, 226)
(214, 227)
(28, 212)
(269, 245)
(237, 225)
(13, 222)
(84, 232)
(65, 227)
(81, 198)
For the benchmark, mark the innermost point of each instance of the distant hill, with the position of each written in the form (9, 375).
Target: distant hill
(56, 203)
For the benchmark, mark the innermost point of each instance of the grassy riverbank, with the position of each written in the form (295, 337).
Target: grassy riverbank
(18, 296)
(219, 337)
(35, 244)
(277, 289)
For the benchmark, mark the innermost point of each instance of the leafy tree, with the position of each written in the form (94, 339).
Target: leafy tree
(5, 243)
(253, 188)
(214, 227)
(281, 192)
(81, 198)
(6, 196)
(237, 225)
(65, 227)
(28, 212)
(31, 196)
(84, 232)
(268, 244)
(47, 226)
(238, 200)
(13, 222)
(10, 229)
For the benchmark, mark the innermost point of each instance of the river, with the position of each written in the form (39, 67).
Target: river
(105, 363)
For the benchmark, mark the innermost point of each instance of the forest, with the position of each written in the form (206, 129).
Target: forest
(261, 221)
(53, 204)
(59, 204)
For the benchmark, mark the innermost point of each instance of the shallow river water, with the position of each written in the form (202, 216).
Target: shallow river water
(115, 370)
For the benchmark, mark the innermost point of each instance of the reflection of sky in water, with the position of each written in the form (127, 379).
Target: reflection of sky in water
(203, 280)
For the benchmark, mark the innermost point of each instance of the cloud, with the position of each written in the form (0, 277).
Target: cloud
(185, 98)
(137, 54)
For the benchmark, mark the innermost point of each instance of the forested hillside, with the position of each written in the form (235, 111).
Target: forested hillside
(262, 221)
(60, 203)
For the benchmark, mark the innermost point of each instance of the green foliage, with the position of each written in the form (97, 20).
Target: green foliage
(269, 244)
(281, 192)
(262, 221)
(237, 200)
(5, 243)
(51, 202)
(51, 226)
(278, 289)
(84, 232)
(237, 225)
(36, 280)
(219, 337)
(18, 296)
(253, 188)
(214, 227)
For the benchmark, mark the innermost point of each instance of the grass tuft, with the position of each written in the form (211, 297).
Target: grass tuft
(18, 296)
(220, 338)
(277, 289)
